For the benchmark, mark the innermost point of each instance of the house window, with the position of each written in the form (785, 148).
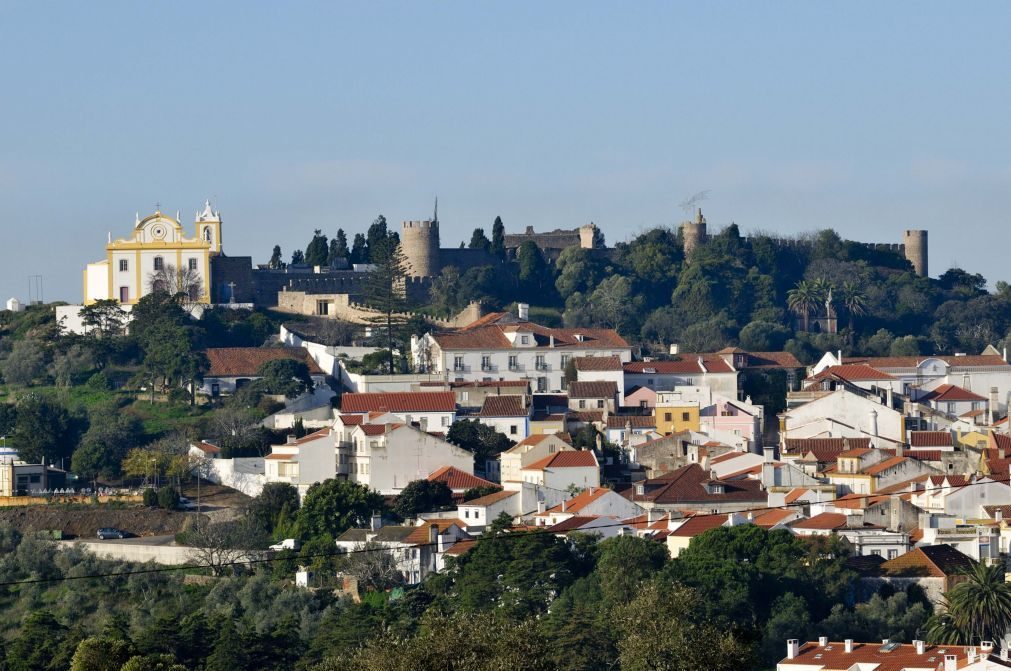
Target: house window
(684, 416)
(323, 308)
(540, 362)
(643, 404)
(524, 340)
(485, 362)
(513, 362)
(600, 403)
(892, 554)
(207, 234)
(466, 514)
(542, 384)
(513, 430)
(124, 265)
(159, 263)
(565, 360)
(193, 264)
(876, 553)
(445, 421)
(649, 381)
(458, 363)
(582, 404)
(667, 417)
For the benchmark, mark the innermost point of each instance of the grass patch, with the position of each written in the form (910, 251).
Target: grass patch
(162, 417)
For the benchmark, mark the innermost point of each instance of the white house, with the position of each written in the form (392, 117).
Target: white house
(14, 305)
(844, 414)
(430, 410)
(502, 346)
(595, 501)
(386, 457)
(601, 369)
(508, 415)
(600, 396)
(564, 470)
(233, 367)
(691, 370)
(527, 451)
(304, 461)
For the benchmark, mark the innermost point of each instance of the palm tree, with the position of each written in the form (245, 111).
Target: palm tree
(801, 299)
(854, 300)
(979, 608)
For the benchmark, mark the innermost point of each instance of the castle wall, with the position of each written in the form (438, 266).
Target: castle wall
(419, 241)
(237, 270)
(916, 250)
(464, 259)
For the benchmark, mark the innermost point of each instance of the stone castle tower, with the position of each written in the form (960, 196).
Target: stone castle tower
(694, 233)
(914, 246)
(419, 241)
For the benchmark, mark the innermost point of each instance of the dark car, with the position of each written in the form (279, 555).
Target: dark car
(110, 532)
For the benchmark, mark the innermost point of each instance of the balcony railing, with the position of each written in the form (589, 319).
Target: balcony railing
(514, 366)
(542, 365)
(488, 368)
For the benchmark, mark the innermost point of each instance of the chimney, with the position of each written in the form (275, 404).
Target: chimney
(848, 645)
(994, 405)
(541, 506)
(950, 663)
(888, 397)
(291, 439)
(986, 647)
(1003, 651)
(769, 454)
(433, 534)
(822, 641)
(649, 516)
(565, 505)
(998, 515)
(970, 655)
(551, 340)
(443, 543)
(522, 310)
(873, 416)
(839, 357)
(792, 648)
(920, 647)
(376, 523)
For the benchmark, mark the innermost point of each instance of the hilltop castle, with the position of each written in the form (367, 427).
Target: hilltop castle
(913, 246)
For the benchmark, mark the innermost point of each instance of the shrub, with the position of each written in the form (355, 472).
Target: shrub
(168, 498)
(150, 498)
(179, 395)
(99, 382)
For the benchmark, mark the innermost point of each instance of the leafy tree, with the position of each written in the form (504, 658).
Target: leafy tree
(284, 376)
(373, 566)
(789, 618)
(40, 644)
(898, 617)
(71, 365)
(979, 607)
(764, 337)
(275, 501)
(168, 498)
(110, 436)
(478, 492)
(359, 249)
(484, 441)
(154, 662)
(478, 240)
(298, 257)
(44, 430)
(661, 630)
(184, 282)
(276, 261)
(802, 299)
(958, 280)
(381, 242)
(578, 271)
(228, 653)
(318, 250)
(98, 653)
(854, 300)
(534, 274)
(152, 312)
(104, 317)
(339, 247)
(334, 506)
(25, 364)
(498, 238)
(420, 496)
(447, 292)
(624, 563)
(385, 293)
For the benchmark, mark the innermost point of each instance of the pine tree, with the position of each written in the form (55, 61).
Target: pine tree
(339, 246)
(318, 250)
(498, 237)
(297, 257)
(359, 251)
(385, 293)
(478, 240)
(275, 259)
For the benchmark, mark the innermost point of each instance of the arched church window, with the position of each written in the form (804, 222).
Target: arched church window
(159, 263)
(207, 234)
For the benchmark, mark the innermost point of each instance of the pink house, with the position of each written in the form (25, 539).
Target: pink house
(640, 397)
(735, 417)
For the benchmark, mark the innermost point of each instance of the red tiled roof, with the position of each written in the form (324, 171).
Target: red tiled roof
(420, 535)
(402, 401)
(936, 561)
(206, 447)
(773, 360)
(246, 361)
(924, 455)
(855, 452)
(280, 457)
(588, 416)
(490, 499)
(882, 362)
(952, 393)
(457, 480)
(795, 494)
(930, 439)
(593, 389)
(579, 501)
(687, 364)
(883, 465)
(503, 406)
(830, 447)
(378, 429)
(566, 459)
(771, 518)
(309, 437)
(822, 521)
(351, 420)
(637, 421)
(873, 656)
(489, 333)
(597, 363)
(688, 485)
(852, 373)
(572, 524)
(699, 524)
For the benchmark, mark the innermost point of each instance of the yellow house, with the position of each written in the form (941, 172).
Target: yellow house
(157, 254)
(674, 415)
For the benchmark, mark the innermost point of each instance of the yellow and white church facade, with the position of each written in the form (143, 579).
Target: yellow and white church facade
(158, 247)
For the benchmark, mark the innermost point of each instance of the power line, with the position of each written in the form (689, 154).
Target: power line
(1006, 479)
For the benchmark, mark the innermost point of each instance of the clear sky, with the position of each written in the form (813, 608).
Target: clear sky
(867, 117)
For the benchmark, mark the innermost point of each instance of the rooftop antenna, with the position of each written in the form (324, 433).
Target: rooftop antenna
(689, 204)
(35, 296)
(435, 215)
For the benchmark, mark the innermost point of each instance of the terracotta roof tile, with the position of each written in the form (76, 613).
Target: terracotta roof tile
(687, 485)
(206, 448)
(246, 361)
(456, 479)
(853, 373)
(884, 465)
(503, 406)
(490, 334)
(872, 656)
(403, 401)
(572, 524)
(593, 389)
(828, 447)
(637, 421)
(420, 534)
(378, 429)
(773, 360)
(699, 524)
(687, 364)
(588, 416)
(952, 393)
(771, 518)
(936, 561)
(597, 363)
(579, 501)
(822, 521)
(984, 360)
(490, 499)
(351, 420)
(930, 439)
(566, 459)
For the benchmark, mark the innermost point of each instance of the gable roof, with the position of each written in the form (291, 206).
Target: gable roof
(579, 501)
(456, 479)
(537, 438)
(595, 389)
(688, 364)
(246, 361)
(772, 360)
(930, 439)
(637, 421)
(565, 459)
(882, 362)
(489, 333)
(572, 523)
(420, 535)
(401, 401)
(687, 485)
(597, 363)
(490, 499)
(503, 406)
(935, 561)
(308, 438)
(852, 373)
(822, 522)
(950, 393)
(205, 447)
(699, 524)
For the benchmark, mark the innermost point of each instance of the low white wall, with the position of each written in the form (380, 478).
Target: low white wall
(243, 474)
(172, 555)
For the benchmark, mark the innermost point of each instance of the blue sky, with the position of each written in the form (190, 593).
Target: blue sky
(866, 117)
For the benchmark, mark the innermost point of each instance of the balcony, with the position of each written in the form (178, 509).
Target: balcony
(542, 365)
(488, 368)
(515, 367)
(460, 368)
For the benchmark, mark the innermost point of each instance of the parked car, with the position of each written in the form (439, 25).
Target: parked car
(287, 544)
(110, 532)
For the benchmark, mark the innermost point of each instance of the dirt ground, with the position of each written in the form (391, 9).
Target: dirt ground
(84, 521)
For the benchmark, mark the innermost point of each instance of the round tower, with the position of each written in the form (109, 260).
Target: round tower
(693, 233)
(915, 249)
(419, 241)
